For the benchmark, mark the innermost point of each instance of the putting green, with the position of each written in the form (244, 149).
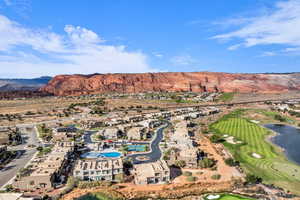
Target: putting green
(272, 165)
(226, 197)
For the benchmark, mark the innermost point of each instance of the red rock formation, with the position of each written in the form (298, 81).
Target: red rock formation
(63, 85)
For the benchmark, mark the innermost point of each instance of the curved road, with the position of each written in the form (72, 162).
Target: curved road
(155, 153)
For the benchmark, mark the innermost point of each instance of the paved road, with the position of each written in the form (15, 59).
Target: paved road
(155, 153)
(24, 156)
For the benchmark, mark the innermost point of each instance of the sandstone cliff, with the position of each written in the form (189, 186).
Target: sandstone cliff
(62, 85)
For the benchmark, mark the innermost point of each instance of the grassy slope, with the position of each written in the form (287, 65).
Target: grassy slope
(97, 196)
(231, 197)
(273, 167)
(226, 97)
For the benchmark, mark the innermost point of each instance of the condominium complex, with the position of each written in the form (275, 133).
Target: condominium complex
(183, 148)
(46, 171)
(152, 173)
(99, 169)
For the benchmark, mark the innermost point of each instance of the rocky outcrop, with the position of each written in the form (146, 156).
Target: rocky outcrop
(63, 85)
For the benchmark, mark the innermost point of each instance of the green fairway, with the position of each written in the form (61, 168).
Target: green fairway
(229, 197)
(256, 155)
(97, 196)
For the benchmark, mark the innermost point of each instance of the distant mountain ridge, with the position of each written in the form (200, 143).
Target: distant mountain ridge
(64, 85)
(23, 84)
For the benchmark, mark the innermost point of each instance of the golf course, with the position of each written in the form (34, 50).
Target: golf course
(225, 197)
(255, 153)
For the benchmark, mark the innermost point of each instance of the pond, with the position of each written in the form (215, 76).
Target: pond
(288, 138)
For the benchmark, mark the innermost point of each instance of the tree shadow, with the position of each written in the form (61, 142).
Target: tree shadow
(175, 172)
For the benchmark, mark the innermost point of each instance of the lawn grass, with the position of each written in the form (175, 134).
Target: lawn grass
(272, 167)
(226, 97)
(230, 197)
(98, 196)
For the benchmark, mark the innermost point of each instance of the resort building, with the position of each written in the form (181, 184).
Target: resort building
(135, 133)
(64, 133)
(150, 123)
(183, 148)
(188, 155)
(40, 179)
(4, 136)
(44, 173)
(151, 173)
(111, 133)
(102, 169)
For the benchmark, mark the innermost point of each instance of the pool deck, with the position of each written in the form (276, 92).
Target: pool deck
(154, 154)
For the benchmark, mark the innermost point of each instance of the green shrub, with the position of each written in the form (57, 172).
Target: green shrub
(280, 118)
(216, 176)
(71, 184)
(199, 173)
(187, 173)
(180, 163)
(191, 178)
(116, 187)
(216, 139)
(206, 163)
(231, 162)
(91, 184)
(252, 179)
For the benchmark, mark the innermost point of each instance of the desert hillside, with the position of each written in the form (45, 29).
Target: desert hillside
(63, 85)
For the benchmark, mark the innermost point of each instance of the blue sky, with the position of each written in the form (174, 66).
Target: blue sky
(49, 37)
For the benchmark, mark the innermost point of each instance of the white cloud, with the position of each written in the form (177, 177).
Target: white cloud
(32, 52)
(292, 49)
(234, 47)
(8, 2)
(19, 7)
(278, 26)
(268, 53)
(158, 55)
(13, 34)
(82, 36)
(183, 60)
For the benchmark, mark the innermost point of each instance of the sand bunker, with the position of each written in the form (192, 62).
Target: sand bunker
(211, 196)
(255, 155)
(231, 140)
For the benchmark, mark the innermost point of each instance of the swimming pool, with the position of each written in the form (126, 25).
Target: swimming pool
(94, 154)
(139, 148)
